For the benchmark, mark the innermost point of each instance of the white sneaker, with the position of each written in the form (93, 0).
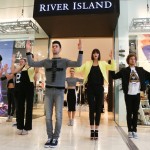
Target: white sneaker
(24, 132)
(72, 122)
(135, 135)
(19, 132)
(130, 135)
(10, 119)
(69, 123)
(7, 120)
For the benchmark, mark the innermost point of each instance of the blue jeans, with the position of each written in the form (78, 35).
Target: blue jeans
(54, 97)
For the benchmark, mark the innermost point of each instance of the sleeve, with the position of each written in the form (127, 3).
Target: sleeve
(79, 80)
(112, 66)
(147, 74)
(32, 70)
(80, 69)
(77, 63)
(117, 75)
(33, 63)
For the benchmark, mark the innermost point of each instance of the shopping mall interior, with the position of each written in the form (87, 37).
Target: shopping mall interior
(118, 26)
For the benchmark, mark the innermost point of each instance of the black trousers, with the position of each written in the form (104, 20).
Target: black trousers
(25, 96)
(16, 102)
(132, 107)
(11, 101)
(95, 95)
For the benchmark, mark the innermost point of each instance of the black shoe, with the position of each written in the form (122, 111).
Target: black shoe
(92, 134)
(96, 134)
(48, 143)
(53, 143)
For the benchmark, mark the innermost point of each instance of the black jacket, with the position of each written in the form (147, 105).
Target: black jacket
(124, 74)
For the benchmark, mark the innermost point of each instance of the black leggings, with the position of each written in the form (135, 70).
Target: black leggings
(132, 107)
(26, 94)
(95, 95)
(11, 101)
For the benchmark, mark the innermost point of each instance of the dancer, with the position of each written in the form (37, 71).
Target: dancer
(71, 95)
(95, 72)
(55, 71)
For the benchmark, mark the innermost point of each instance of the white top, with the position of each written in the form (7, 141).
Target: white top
(134, 83)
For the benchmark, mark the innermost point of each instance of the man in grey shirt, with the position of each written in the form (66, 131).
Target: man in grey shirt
(55, 71)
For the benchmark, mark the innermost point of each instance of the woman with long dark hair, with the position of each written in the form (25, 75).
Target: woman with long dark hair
(95, 72)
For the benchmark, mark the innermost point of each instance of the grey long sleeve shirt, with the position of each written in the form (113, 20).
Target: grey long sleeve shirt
(55, 69)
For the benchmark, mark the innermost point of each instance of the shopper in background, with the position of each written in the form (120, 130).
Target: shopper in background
(11, 99)
(95, 72)
(133, 81)
(10, 91)
(71, 95)
(55, 71)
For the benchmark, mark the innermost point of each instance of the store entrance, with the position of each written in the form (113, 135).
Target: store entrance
(94, 22)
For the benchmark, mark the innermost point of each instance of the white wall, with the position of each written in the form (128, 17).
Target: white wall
(70, 47)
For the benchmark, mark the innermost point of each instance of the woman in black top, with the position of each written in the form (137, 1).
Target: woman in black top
(95, 71)
(95, 93)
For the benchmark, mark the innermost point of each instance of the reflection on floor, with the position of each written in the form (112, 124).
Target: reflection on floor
(38, 110)
(72, 138)
(143, 137)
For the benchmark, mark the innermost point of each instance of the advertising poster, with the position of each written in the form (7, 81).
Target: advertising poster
(144, 51)
(7, 49)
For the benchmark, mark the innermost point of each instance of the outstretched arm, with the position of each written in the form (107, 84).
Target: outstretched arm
(147, 74)
(111, 66)
(77, 63)
(117, 75)
(31, 62)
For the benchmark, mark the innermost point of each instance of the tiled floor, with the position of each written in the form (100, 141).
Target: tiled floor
(72, 138)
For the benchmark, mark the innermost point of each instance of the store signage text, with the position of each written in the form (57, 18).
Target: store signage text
(75, 6)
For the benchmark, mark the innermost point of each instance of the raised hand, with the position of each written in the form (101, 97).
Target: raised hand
(5, 68)
(79, 45)
(111, 54)
(13, 58)
(9, 76)
(28, 46)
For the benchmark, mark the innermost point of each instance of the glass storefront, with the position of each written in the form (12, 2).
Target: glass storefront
(132, 41)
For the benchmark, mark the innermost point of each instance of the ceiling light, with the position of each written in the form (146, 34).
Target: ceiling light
(140, 25)
(21, 27)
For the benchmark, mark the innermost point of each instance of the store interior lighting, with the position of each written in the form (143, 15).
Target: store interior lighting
(140, 24)
(21, 27)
